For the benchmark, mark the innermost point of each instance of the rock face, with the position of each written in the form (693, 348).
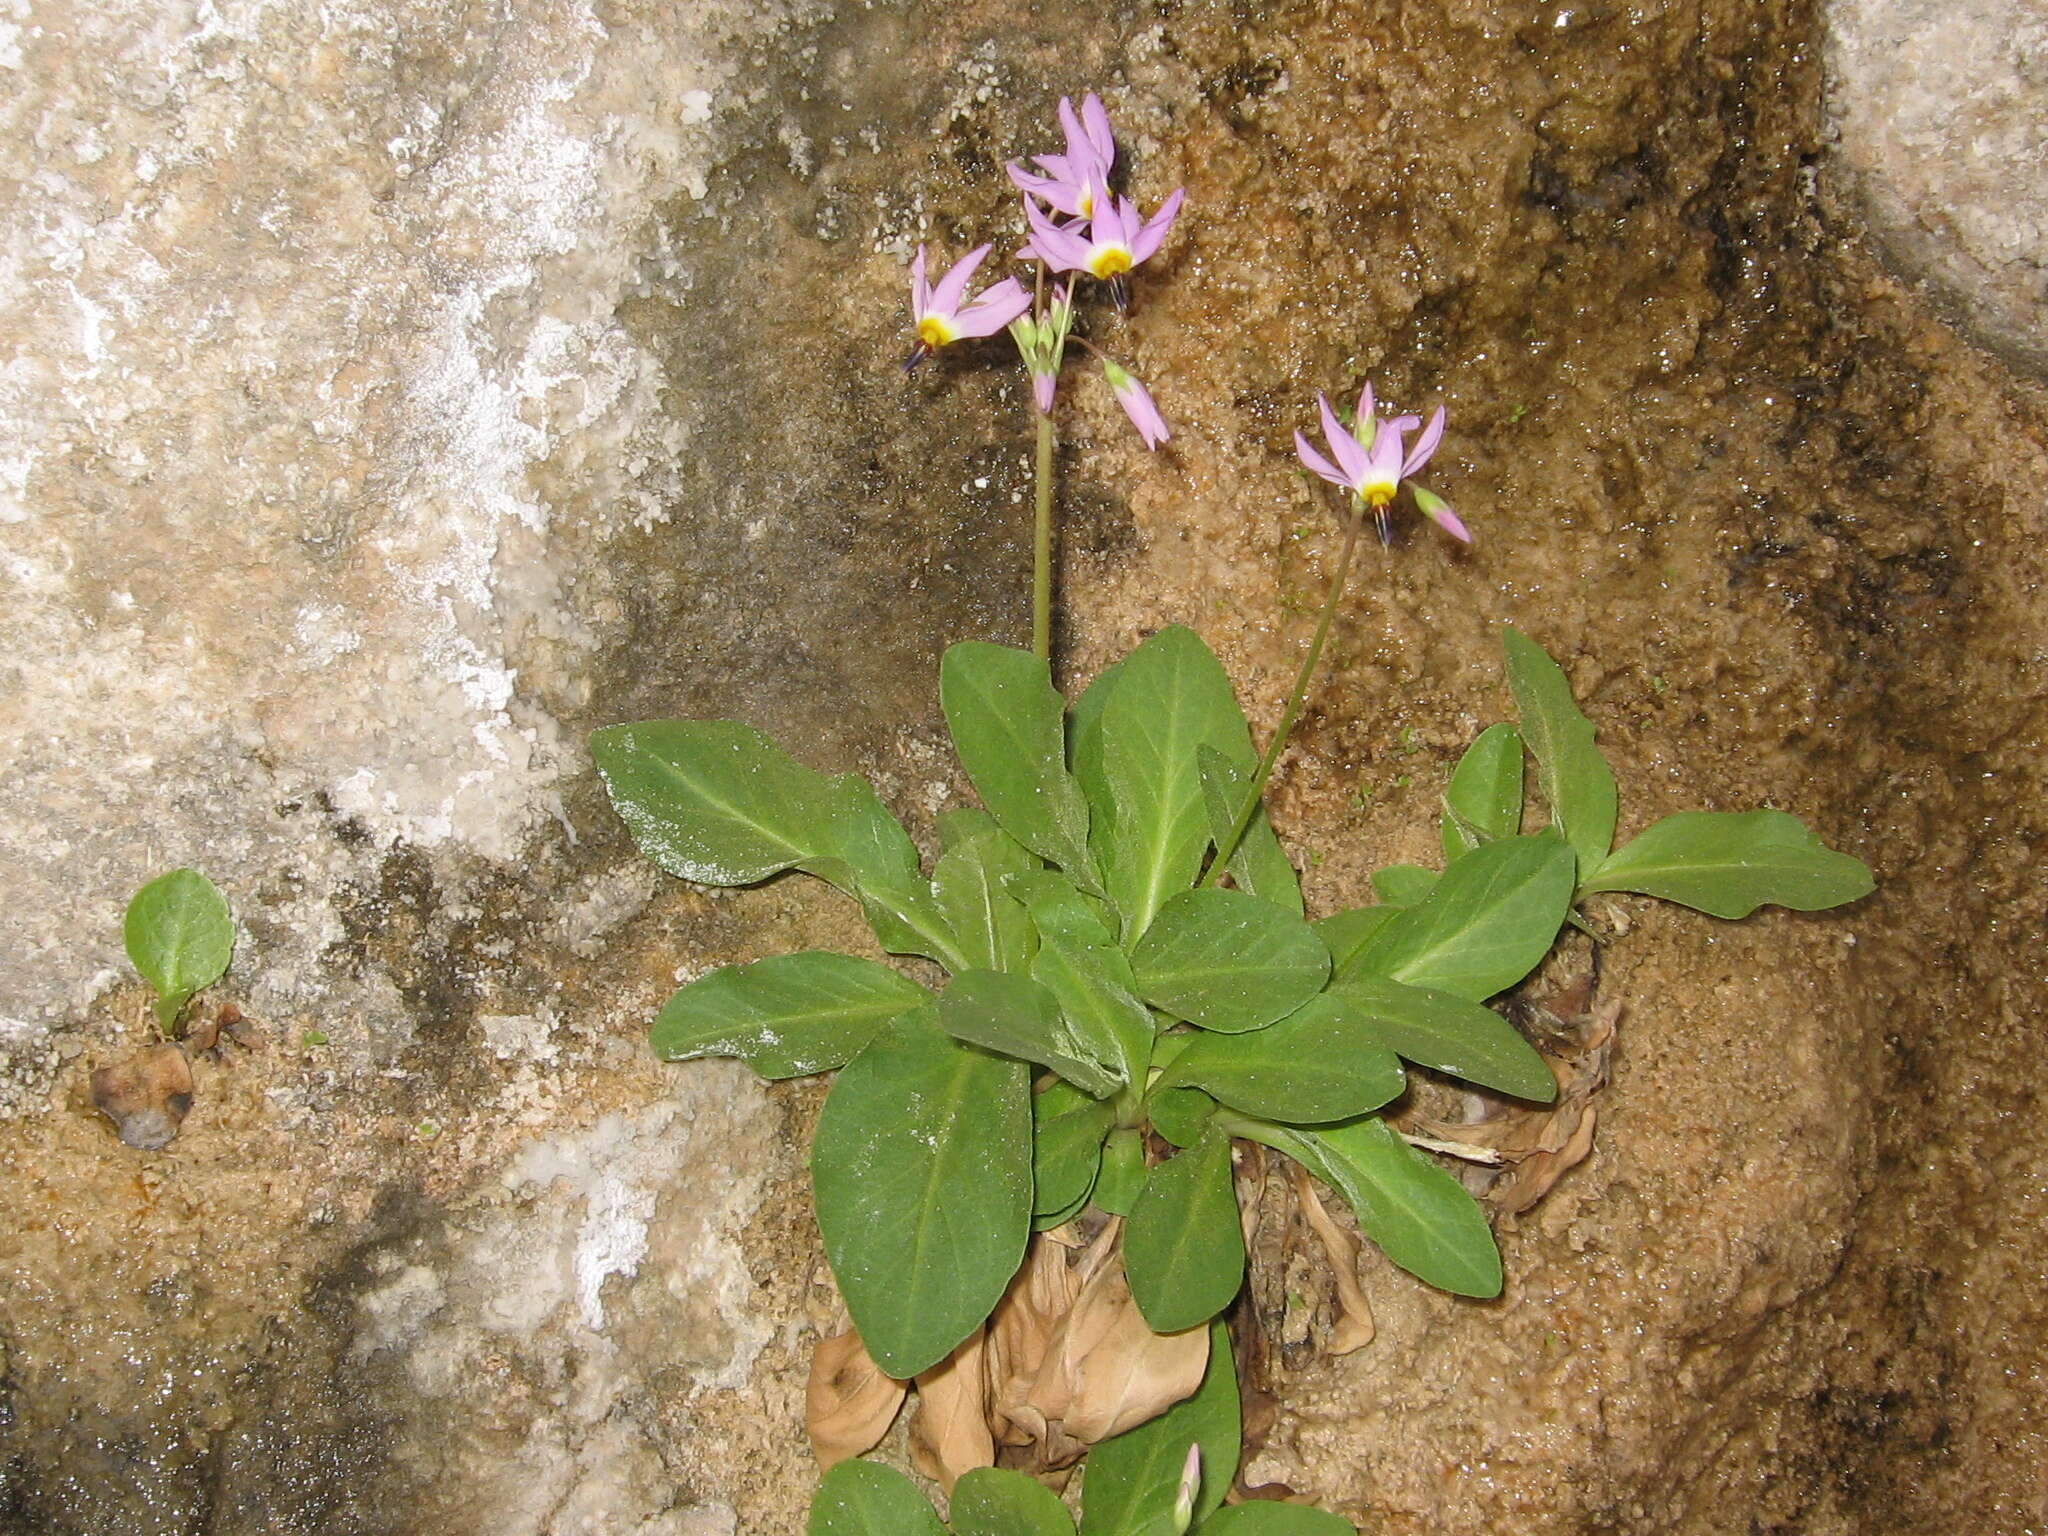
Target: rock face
(391, 394)
(1941, 119)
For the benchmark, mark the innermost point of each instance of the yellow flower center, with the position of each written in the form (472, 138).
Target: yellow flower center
(935, 331)
(1110, 261)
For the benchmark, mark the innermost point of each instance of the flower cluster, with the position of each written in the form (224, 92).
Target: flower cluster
(1082, 229)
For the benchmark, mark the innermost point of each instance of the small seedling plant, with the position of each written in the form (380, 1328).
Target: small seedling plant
(1132, 984)
(179, 937)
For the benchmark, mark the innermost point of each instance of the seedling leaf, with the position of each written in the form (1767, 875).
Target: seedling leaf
(179, 935)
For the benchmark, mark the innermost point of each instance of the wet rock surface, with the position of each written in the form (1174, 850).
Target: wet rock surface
(463, 381)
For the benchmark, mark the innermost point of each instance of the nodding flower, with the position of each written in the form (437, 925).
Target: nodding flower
(1116, 240)
(1137, 404)
(1371, 463)
(940, 317)
(1073, 182)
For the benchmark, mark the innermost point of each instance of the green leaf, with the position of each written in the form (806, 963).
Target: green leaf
(717, 802)
(1402, 885)
(1227, 960)
(1260, 864)
(1183, 1243)
(1018, 1017)
(1179, 1114)
(1009, 729)
(865, 1498)
(1574, 776)
(1348, 933)
(921, 1169)
(964, 824)
(1490, 920)
(990, 925)
(1449, 1034)
(1066, 1148)
(1484, 798)
(180, 937)
(1131, 1478)
(1169, 698)
(994, 1501)
(1729, 863)
(1324, 1061)
(1122, 1178)
(1419, 1215)
(787, 1015)
(1266, 1517)
(1097, 996)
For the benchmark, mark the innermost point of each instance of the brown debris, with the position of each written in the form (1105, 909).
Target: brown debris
(849, 1404)
(212, 1035)
(147, 1096)
(950, 1434)
(1354, 1327)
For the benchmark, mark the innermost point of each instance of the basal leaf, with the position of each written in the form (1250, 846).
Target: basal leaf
(1488, 922)
(1450, 1034)
(1324, 1061)
(1419, 1215)
(1169, 698)
(1122, 1178)
(1267, 1517)
(180, 936)
(922, 1172)
(1402, 885)
(994, 1501)
(1183, 1244)
(1097, 996)
(964, 824)
(868, 855)
(1017, 1017)
(1729, 863)
(1009, 729)
(990, 926)
(1260, 864)
(1130, 1481)
(1574, 776)
(787, 1015)
(1484, 798)
(865, 1498)
(1227, 960)
(1180, 1115)
(1066, 1148)
(1348, 934)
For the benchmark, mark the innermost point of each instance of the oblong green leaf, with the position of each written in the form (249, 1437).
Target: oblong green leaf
(787, 1015)
(1228, 961)
(1009, 729)
(1403, 885)
(1574, 776)
(922, 1172)
(1066, 1148)
(1259, 864)
(1324, 1061)
(1183, 1241)
(969, 884)
(1122, 1177)
(180, 936)
(1169, 698)
(1450, 1034)
(1180, 1115)
(994, 1501)
(1487, 923)
(1130, 1480)
(1421, 1217)
(865, 1498)
(1729, 863)
(1266, 1517)
(1018, 1017)
(1347, 934)
(1484, 798)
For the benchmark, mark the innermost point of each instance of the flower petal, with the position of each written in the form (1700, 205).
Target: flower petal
(1316, 462)
(1425, 445)
(1344, 447)
(947, 294)
(1146, 240)
(997, 306)
(1095, 123)
(1438, 511)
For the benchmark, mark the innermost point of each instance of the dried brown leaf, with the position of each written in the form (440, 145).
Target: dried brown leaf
(849, 1404)
(147, 1096)
(1020, 1332)
(1354, 1327)
(950, 1434)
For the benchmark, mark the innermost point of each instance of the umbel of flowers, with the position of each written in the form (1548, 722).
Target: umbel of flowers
(1024, 1178)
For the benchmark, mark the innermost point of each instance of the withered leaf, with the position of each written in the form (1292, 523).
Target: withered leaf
(950, 1434)
(1354, 1328)
(849, 1404)
(147, 1096)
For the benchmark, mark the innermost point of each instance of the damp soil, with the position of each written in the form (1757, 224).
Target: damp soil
(1781, 526)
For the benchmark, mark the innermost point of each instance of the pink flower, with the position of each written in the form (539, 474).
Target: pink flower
(1137, 404)
(1371, 462)
(1072, 181)
(1115, 243)
(1042, 343)
(941, 318)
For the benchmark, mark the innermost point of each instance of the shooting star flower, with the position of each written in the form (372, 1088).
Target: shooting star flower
(1116, 240)
(1072, 182)
(1137, 404)
(1371, 461)
(941, 318)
